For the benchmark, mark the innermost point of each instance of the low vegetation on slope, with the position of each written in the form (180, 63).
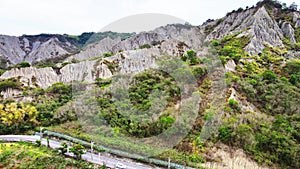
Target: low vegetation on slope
(270, 82)
(259, 114)
(26, 155)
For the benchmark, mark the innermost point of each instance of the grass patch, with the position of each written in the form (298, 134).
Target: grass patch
(27, 155)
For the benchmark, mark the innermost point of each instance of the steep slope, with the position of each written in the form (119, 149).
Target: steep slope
(192, 36)
(258, 25)
(133, 61)
(34, 48)
(247, 69)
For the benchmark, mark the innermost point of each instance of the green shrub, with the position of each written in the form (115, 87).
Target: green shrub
(191, 57)
(23, 64)
(103, 82)
(145, 46)
(269, 76)
(9, 83)
(297, 34)
(75, 60)
(198, 72)
(184, 58)
(60, 88)
(253, 82)
(46, 64)
(2, 71)
(214, 43)
(108, 54)
(224, 59)
(232, 103)
(65, 63)
(224, 134)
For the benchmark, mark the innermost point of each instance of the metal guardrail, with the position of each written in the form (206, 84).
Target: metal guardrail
(116, 152)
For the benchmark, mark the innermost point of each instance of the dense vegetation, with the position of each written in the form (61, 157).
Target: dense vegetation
(262, 118)
(274, 90)
(139, 93)
(10, 84)
(18, 118)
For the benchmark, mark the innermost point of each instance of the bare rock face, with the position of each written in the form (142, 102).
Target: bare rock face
(296, 19)
(97, 49)
(86, 71)
(11, 50)
(174, 47)
(172, 39)
(257, 24)
(288, 31)
(227, 158)
(15, 94)
(33, 48)
(230, 65)
(234, 22)
(191, 36)
(30, 76)
(263, 30)
(136, 61)
(10, 93)
(46, 50)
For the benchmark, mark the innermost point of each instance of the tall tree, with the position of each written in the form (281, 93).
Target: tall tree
(13, 115)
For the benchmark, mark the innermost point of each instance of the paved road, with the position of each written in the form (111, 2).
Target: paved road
(103, 158)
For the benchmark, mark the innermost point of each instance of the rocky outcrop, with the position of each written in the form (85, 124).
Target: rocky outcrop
(230, 65)
(288, 31)
(34, 48)
(10, 93)
(47, 50)
(86, 71)
(10, 49)
(296, 19)
(135, 61)
(192, 37)
(31, 76)
(131, 61)
(96, 49)
(255, 23)
(16, 95)
(235, 22)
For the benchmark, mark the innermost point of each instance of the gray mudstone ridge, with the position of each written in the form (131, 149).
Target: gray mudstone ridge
(86, 71)
(44, 77)
(131, 61)
(29, 76)
(10, 49)
(193, 37)
(254, 22)
(19, 49)
(135, 61)
(288, 31)
(173, 40)
(296, 19)
(95, 49)
(261, 28)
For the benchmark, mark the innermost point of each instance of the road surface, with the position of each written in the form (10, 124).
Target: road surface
(103, 158)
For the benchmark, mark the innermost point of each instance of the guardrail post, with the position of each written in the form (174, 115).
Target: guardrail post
(41, 133)
(92, 144)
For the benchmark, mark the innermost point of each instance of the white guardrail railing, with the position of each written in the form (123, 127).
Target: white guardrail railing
(116, 152)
